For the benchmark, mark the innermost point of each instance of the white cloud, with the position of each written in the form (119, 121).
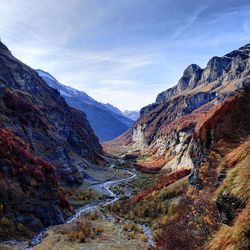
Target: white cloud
(102, 47)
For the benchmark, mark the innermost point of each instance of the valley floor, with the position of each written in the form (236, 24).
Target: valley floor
(105, 230)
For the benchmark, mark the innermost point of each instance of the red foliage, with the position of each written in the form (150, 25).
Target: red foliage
(229, 121)
(63, 201)
(17, 103)
(163, 182)
(16, 154)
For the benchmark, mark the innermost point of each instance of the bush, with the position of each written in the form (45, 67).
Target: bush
(83, 230)
(81, 237)
(93, 216)
(20, 227)
(4, 221)
(125, 227)
(131, 235)
(171, 208)
(143, 237)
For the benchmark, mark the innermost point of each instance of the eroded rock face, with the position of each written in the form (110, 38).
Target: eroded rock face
(190, 78)
(233, 65)
(138, 137)
(41, 118)
(165, 95)
(148, 108)
(186, 105)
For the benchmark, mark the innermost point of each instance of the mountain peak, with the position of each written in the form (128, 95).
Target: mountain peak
(2, 46)
(245, 47)
(191, 76)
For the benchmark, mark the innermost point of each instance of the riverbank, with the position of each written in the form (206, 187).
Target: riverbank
(112, 234)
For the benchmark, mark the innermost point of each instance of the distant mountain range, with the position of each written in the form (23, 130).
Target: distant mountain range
(107, 121)
(132, 115)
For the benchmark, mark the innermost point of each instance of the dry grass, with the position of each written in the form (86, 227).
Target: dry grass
(237, 180)
(237, 184)
(234, 237)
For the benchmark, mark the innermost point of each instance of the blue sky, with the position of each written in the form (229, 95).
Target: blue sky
(122, 51)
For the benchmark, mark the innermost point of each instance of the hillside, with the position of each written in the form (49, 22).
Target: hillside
(107, 121)
(216, 203)
(194, 142)
(44, 143)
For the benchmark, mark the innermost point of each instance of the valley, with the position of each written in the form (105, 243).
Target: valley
(111, 227)
(178, 178)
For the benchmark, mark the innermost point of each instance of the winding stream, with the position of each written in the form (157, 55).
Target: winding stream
(106, 186)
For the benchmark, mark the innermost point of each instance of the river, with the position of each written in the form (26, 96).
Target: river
(106, 187)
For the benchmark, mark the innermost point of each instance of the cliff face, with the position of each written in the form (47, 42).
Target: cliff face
(165, 128)
(39, 116)
(215, 76)
(43, 143)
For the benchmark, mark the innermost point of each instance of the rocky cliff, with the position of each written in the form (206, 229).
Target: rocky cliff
(44, 143)
(220, 74)
(29, 195)
(41, 118)
(165, 128)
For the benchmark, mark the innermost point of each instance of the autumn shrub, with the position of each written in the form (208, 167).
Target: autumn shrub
(143, 237)
(125, 227)
(4, 221)
(83, 230)
(171, 209)
(93, 216)
(20, 227)
(131, 235)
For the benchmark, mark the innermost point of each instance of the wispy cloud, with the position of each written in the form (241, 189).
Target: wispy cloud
(190, 21)
(123, 52)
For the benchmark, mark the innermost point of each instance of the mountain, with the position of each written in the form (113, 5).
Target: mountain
(133, 115)
(196, 136)
(105, 119)
(165, 128)
(113, 108)
(44, 143)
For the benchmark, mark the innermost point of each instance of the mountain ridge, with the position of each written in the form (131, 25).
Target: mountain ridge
(45, 144)
(106, 123)
(219, 69)
(165, 128)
